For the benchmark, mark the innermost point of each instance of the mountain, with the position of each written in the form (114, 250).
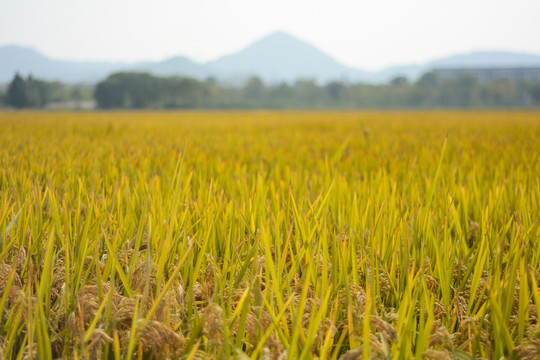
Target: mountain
(281, 56)
(483, 59)
(478, 59)
(28, 61)
(412, 72)
(277, 57)
(179, 65)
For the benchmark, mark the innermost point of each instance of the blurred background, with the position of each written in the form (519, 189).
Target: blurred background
(241, 54)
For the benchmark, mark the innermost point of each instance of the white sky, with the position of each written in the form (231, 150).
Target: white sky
(369, 34)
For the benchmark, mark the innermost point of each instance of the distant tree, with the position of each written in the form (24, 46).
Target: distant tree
(399, 81)
(535, 94)
(308, 94)
(211, 81)
(109, 94)
(139, 90)
(16, 95)
(254, 91)
(428, 79)
(183, 93)
(335, 91)
(36, 93)
(282, 96)
(145, 91)
(32, 93)
(127, 90)
(467, 94)
(76, 94)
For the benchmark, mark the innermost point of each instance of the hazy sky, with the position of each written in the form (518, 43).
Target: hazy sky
(368, 34)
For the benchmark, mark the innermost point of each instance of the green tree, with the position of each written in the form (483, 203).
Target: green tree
(76, 94)
(535, 94)
(144, 91)
(254, 91)
(36, 93)
(428, 79)
(399, 81)
(335, 90)
(16, 95)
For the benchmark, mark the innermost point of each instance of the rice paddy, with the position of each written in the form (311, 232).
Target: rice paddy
(270, 235)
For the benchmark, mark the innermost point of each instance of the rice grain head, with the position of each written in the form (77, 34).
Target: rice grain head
(213, 324)
(157, 339)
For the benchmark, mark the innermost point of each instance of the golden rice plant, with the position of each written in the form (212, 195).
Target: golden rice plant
(270, 235)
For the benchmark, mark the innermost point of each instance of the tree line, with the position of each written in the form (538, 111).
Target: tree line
(145, 91)
(31, 93)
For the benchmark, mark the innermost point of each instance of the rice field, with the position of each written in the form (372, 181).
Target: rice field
(270, 235)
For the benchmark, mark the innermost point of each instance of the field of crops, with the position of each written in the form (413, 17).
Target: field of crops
(270, 235)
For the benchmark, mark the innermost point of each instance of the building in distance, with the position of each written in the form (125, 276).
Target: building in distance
(514, 74)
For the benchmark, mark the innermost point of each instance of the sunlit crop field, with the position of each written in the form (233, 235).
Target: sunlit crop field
(390, 235)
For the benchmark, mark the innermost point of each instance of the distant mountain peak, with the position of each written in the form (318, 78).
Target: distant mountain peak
(278, 36)
(280, 56)
(281, 40)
